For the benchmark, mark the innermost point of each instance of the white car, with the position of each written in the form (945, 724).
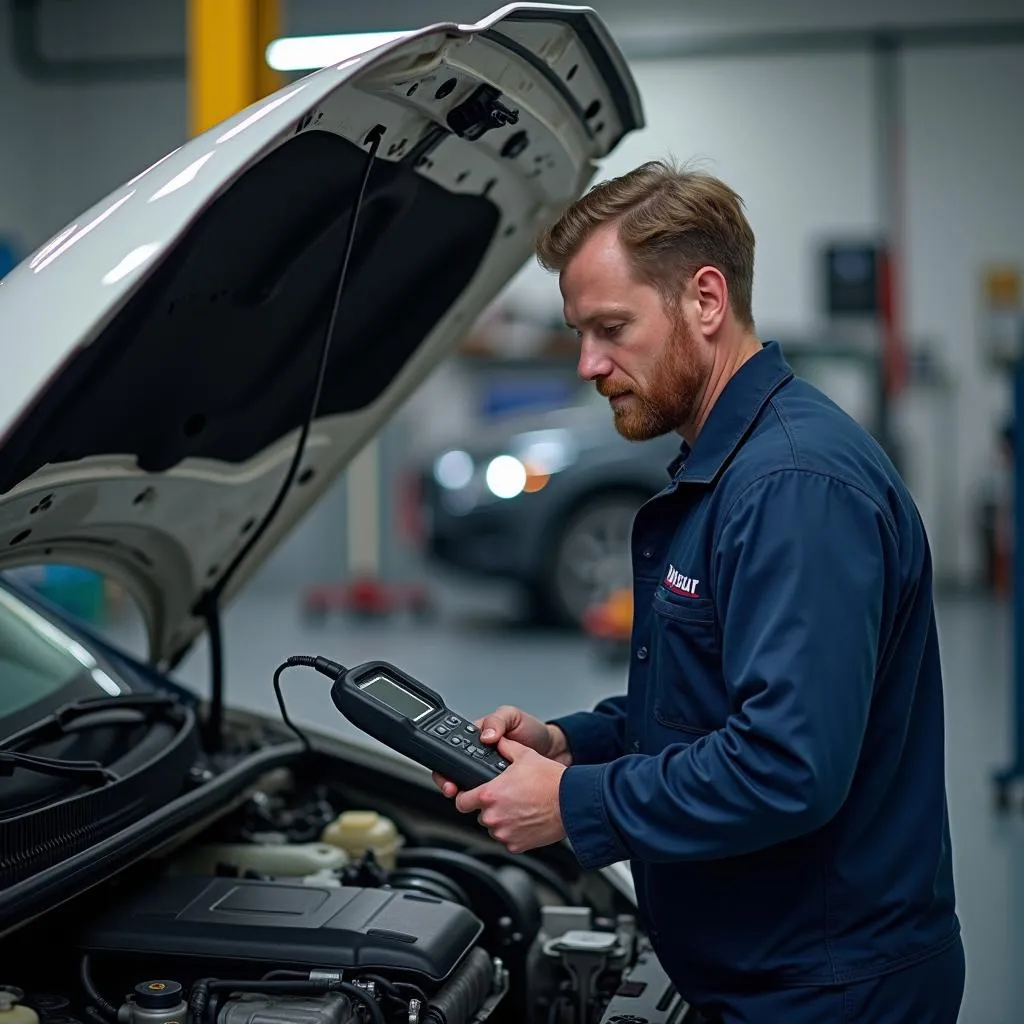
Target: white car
(188, 367)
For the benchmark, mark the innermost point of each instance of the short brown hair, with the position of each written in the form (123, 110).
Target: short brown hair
(672, 222)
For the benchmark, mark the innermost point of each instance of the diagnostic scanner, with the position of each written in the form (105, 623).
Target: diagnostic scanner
(393, 707)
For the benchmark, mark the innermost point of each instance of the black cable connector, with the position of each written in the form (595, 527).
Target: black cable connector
(324, 666)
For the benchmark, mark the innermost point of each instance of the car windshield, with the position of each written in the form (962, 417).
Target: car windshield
(36, 659)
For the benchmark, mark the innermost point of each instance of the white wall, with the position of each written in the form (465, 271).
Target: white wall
(965, 209)
(793, 136)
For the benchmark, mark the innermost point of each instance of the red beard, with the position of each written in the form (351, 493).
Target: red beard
(667, 400)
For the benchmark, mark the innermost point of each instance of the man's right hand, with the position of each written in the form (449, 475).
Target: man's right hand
(548, 740)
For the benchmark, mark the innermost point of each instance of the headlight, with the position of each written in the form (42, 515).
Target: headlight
(525, 467)
(506, 476)
(546, 451)
(454, 470)
(537, 456)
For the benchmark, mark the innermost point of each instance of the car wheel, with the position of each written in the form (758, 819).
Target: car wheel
(591, 556)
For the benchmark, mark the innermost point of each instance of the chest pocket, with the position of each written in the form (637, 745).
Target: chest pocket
(688, 691)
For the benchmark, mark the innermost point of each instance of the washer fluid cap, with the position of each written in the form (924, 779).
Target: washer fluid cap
(158, 995)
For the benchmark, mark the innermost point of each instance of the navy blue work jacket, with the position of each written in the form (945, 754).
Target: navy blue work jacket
(775, 773)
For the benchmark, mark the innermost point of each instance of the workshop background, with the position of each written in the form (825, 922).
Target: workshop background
(880, 150)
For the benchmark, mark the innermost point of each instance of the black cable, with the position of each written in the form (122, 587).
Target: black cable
(394, 989)
(416, 991)
(107, 1010)
(323, 666)
(214, 724)
(208, 605)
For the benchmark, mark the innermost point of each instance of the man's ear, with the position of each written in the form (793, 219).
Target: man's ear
(712, 295)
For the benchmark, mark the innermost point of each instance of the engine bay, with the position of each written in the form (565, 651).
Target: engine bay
(316, 902)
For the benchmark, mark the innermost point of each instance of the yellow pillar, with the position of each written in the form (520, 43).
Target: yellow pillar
(227, 68)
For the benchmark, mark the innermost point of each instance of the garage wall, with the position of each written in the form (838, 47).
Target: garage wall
(965, 209)
(67, 143)
(794, 136)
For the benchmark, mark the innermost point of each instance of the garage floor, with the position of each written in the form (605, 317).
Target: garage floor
(479, 658)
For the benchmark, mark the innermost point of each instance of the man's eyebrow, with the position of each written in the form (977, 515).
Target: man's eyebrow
(604, 313)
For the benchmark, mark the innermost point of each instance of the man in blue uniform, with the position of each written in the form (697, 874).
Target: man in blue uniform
(775, 773)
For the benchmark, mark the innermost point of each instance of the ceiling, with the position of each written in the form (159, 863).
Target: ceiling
(658, 16)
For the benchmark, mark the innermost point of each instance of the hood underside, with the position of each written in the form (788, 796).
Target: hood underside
(167, 342)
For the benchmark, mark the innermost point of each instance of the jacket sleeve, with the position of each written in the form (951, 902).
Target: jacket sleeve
(799, 576)
(597, 736)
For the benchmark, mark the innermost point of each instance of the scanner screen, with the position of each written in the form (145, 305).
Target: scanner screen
(396, 697)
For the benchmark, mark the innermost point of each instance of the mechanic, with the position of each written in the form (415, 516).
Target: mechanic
(775, 773)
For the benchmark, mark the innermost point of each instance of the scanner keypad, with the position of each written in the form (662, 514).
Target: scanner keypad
(458, 732)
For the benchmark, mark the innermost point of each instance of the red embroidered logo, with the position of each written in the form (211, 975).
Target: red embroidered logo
(684, 586)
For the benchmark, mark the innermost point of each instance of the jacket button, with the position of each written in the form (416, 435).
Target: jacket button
(642, 653)
(648, 552)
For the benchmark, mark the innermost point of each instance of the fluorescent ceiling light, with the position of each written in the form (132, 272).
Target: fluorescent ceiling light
(308, 53)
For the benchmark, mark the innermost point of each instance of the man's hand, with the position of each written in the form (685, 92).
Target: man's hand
(520, 807)
(547, 740)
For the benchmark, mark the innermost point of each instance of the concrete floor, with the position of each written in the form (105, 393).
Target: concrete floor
(479, 658)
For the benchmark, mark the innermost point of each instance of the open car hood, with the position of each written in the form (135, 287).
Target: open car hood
(161, 351)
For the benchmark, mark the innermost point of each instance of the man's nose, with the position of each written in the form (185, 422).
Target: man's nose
(593, 364)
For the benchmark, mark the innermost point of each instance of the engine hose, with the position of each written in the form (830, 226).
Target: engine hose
(460, 999)
(540, 872)
(199, 999)
(108, 1010)
(358, 995)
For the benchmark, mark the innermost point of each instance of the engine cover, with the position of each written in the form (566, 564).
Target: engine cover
(281, 924)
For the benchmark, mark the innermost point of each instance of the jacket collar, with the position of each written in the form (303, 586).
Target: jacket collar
(731, 417)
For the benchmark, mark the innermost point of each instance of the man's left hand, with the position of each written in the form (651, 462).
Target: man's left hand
(520, 807)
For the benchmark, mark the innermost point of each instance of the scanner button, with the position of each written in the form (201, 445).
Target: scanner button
(453, 720)
(479, 752)
(471, 728)
(501, 765)
(441, 730)
(455, 741)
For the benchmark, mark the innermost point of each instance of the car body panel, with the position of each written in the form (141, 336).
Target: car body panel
(167, 340)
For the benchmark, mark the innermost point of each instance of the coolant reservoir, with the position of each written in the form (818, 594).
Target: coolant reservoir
(355, 832)
(284, 860)
(11, 1009)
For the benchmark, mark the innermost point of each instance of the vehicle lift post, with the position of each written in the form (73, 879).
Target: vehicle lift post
(1011, 779)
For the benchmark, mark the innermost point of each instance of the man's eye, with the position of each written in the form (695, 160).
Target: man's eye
(612, 329)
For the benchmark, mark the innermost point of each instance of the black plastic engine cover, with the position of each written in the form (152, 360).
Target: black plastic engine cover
(283, 924)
